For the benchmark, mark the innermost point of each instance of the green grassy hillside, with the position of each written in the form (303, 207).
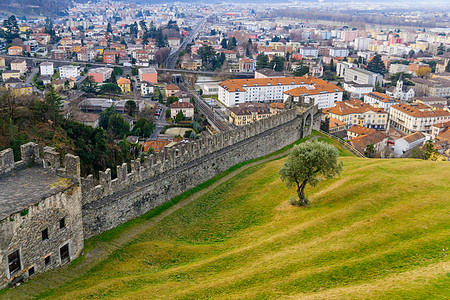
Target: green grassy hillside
(380, 230)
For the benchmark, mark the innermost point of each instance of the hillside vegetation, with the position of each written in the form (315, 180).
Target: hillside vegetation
(380, 230)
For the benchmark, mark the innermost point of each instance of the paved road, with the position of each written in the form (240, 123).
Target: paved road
(160, 123)
(172, 59)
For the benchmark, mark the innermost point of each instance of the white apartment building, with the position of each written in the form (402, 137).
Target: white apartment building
(69, 71)
(357, 90)
(416, 117)
(397, 68)
(380, 100)
(338, 52)
(235, 91)
(362, 43)
(362, 76)
(309, 52)
(324, 95)
(46, 69)
(341, 66)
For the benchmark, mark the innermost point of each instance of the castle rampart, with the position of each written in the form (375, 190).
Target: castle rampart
(47, 210)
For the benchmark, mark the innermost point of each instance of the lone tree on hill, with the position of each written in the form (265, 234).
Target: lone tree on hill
(309, 162)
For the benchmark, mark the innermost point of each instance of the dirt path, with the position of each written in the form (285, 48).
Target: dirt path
(59, 277)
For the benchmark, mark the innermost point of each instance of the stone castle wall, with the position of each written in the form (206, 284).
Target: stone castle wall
(170, 173)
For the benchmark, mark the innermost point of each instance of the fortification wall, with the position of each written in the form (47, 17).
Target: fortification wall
(168, 174)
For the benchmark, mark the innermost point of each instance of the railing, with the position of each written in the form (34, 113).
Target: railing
(345, 144)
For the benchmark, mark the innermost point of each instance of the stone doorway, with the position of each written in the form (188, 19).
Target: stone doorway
(64, 253)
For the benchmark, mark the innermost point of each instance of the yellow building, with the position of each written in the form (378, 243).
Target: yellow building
(2, 61)
(356, 112)
(124, 84)
(10, 74)
(21, 89)
(19, 65)
(24, 28)
(248, 113)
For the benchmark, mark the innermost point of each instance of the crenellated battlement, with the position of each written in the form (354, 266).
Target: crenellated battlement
(169, 159)
(30, 155)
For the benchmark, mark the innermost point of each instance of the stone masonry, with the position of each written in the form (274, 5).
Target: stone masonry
(47, 210)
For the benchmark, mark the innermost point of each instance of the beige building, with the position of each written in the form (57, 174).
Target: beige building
(434, 87)
(416, 117)
(10, 74)
(19, 65)
(186, 107)
(355, 112)
(248, 113)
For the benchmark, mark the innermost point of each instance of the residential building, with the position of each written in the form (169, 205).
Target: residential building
(58, 54)
(21, 89)
(416, 117)
(19, 65)
(321, 93)
(398, 68)
(404, 144)
(381, 100)
(248, 113)
(148, 75)
(432, 100)
(124, 84)
(12, 81)
(357, 90)
(174, 42)
(276, 107)
(268, 73)
(10, 74)
(97, 105)
(235, 91)
(342, 66)
(433, 87)
(309, 52)
(2, 61)
(335, 126)
(88, 119)
(109, 56)
(69, 71)
(171, 90)
(414, 67)
(15, 50)
(377, 140)
(357, 130)
(46, 69)
(188, 63)
(247, 65)
(186, 108)
(356, 112)
(338, 52)
(362, 76)
(147, 88)
(100, 75)
(438, 128)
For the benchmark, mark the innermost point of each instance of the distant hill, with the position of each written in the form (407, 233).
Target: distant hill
(30, 8)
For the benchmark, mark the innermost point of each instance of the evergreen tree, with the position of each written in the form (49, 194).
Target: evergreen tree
(277, 63)
(109, 28)
(232, 44)
(262, 61)
(224, 43)
(376, 65)
(143, 26)
(53, 105)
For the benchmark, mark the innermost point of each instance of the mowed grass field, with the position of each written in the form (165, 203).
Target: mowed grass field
(380, 230)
